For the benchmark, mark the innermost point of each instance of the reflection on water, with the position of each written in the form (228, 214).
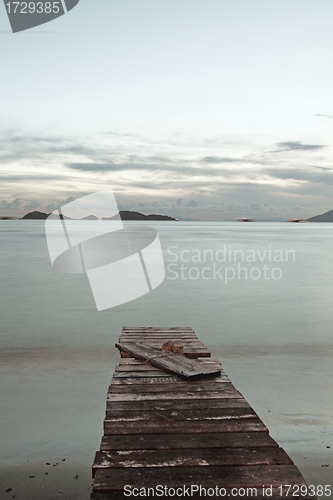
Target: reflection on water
(274, 338)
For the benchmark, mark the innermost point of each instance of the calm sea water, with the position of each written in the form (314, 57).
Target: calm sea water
(272, 332)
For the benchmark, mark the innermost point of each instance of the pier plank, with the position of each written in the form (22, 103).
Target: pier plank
(157, 380)
(183, 414)
(132, 373)
(137, 365)
(204, 457)
(251, 424)
(229, 392)
(192, 441)
(220, 384)
(146, 371)
(179, 404)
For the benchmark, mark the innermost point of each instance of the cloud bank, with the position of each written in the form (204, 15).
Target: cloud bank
(182, 178)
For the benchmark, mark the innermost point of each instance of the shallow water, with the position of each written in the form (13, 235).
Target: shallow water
(273, 336)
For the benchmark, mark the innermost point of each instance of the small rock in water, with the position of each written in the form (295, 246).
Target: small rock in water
(31, 476)
(63, 459)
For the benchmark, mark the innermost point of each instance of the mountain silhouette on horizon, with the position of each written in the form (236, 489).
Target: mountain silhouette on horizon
(326, 217)
(124, 215)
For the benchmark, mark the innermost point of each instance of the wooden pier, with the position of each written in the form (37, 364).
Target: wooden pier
(162, 429)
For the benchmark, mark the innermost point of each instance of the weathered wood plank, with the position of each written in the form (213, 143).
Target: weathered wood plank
(191, 339)
(204, 361)
(135, 362)
(188, 347)
(145, 380)
(130, 374)
(158, 344)
(171, 379)
(188, 353)
(184, 414)
(223, 476)
(133, 373)
(184, 458)
(145, 368)
(152, 335)
(218, 384)
(170, 362)
(179, 404)
(161, 340)
(158, 328)
(229, 392)
(161, 334)
(192, 441)
(251, 424)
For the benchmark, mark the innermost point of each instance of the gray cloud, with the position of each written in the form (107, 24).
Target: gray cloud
(325, 116)
(96, 167)
(298, 146)
(322, 168)
(218, 159)
(193, 203)
(179, 170)
(324, 176)
(19, 204)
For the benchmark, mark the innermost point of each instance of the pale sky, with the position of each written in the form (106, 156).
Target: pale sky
(208, 109)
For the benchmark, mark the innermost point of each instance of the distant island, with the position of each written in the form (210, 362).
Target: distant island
(124, 215)
(326, 217)
(35, 215)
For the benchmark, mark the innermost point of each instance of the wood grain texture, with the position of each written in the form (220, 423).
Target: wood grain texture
(221, 384)
(184, 427)
(171, 379)
(179, 404)
(228, 392)
(184, 414)
(192, 441)
(206, 457)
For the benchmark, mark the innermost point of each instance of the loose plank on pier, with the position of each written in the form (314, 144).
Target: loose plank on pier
(163, 429)
(166, 360)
